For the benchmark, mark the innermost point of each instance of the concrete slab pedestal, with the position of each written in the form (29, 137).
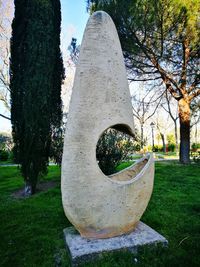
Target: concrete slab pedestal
(83, 250)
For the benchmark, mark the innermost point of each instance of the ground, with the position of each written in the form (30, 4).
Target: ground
(31, 229)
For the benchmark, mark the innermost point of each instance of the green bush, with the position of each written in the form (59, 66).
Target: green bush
(136, 147)
(170, 139)
(11, 157)
(112, 147)
(4, 155)
(195, 146)
(195, 152)
(195, 156)
(158, 148)
(171, 147)
(149, 148)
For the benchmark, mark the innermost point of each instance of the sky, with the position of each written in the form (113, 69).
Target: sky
(74, 19)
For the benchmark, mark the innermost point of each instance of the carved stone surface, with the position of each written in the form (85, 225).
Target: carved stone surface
(82, 250)
(97, 205)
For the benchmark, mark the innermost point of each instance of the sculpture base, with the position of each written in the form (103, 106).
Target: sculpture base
(83, 250)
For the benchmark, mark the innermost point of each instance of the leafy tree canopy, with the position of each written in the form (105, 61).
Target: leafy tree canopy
(161, 43)
(155, 36)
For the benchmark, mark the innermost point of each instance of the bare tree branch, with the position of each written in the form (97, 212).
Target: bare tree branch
(194, 84)
(194, 94)
(5, 117)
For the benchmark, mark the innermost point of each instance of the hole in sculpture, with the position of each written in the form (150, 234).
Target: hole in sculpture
(115, 149)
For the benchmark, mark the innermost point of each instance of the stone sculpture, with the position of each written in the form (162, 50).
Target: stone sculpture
(101, 206)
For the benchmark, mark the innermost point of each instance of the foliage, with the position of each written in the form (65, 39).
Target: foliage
(57, 141)
(160, 41)
(195, 153)
(196, 157)
(36, 76)
(173, 211)
(171, 147)
(155, 30)
(136, 146)
(171, 142)
(6, 146)
(195, 146)
(158, 148)
(112, 148)
(148, 148)
(6, 142)
(170, 138)
(4, 155)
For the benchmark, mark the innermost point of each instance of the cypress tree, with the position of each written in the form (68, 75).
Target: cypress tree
(36, 72)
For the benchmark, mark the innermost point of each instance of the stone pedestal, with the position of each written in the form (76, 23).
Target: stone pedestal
(83, 250)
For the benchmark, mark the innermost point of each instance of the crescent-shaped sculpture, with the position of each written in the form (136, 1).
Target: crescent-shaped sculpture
(101, 206)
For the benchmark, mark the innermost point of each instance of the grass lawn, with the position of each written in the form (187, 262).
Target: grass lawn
(168, 155)
(31, 229)
(5, 162)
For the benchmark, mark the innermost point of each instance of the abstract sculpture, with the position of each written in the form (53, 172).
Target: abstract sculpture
(101, 206)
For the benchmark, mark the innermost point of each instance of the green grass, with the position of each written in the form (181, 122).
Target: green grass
(168, 155)
(123, 165)
(5, 162)
(31, 229)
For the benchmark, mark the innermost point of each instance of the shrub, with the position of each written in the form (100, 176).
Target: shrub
(136, 147)
(195, 152)
(171, 147)
(148, 148)
(112, 148)
(158, 148)
(195, 156)
(195, 146)
(4, 155)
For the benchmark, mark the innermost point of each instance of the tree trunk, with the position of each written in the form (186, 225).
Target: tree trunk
(29, 189)
(184, 117)
(142, 136)
(176, 136)
(163, 141)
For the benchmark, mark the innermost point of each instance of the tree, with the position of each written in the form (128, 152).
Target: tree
(142, 107)
(162, 127)
(74, 50)
(160, 41)
(36, 74)
(57, 141)
(173, 115)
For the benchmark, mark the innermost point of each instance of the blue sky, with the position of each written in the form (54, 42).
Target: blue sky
(74, 19)
(74, 16)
